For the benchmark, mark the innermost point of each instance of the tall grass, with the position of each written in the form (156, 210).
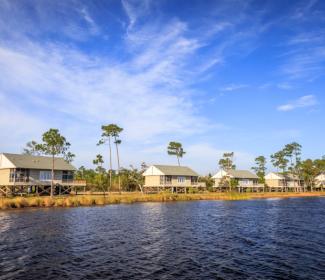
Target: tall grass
(89, 200)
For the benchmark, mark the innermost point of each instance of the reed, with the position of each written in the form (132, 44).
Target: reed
(90, 200)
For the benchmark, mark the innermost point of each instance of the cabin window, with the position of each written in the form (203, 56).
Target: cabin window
(168, 179)
(19, 175)
(193, 179)
(161, 180)
(180, 179)
(67, 176)
(45, 175)
(245, 182)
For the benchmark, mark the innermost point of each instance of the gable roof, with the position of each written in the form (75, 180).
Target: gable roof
(174, 170)
(242, 174)
(38, 162)
(237, 174)
(321, 177)
(288, 177)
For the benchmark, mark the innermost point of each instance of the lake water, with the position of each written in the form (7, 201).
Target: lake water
(260, 239)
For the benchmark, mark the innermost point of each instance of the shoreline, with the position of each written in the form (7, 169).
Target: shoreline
(137, 197)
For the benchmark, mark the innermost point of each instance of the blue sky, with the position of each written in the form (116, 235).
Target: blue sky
(242, 76)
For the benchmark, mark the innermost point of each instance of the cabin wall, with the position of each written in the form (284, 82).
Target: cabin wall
(4, 177)
(273, 183)
(152, 180)
(217, 182)
(155, 181)
(187, 181)
(247, 182)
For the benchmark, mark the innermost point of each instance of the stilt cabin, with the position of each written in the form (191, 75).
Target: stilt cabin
(283, 182)
(170, 178)
(244, 180)
(27, 174)
(320, 181)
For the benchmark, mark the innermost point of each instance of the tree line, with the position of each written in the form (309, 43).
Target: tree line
(285, 161)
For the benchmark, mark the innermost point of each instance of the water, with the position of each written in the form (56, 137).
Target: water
(261, 239)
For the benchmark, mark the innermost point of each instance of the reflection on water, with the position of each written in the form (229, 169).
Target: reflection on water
(273, 239)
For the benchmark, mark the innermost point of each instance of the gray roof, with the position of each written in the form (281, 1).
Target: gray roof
(242, 174)
(38, 162)
(176, 170)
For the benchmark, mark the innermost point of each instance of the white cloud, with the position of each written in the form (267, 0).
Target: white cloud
(302, 102)
(142, 81)
(233, 87)
(135, 9)
(285, 86)
(55, 85)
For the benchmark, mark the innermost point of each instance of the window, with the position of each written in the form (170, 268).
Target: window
(19, 175)
(168, 179)
(67, 176)
(45, 175)
(180, 179)
(193, 180)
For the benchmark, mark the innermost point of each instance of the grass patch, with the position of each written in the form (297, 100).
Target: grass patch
(128, 198)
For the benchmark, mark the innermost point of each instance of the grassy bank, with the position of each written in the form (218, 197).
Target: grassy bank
(89, 200)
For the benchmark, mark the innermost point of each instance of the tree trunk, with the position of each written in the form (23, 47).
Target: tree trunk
(178, 161)
(118, 166)
(52, 176)
(140, 188)
(110, 163)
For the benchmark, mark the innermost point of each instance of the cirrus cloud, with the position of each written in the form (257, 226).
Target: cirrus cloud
(302, 102)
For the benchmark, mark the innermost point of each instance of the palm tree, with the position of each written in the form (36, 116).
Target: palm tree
(175, 149)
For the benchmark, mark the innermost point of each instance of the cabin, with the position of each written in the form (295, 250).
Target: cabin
(179, 179)
(27, 174)
(283, 182)
(320, 181)
(244, 180)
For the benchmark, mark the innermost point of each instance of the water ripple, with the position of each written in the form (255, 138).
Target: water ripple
(262, 239)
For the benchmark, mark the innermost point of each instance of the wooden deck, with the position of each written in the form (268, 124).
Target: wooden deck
(174, 188)
(42, 187)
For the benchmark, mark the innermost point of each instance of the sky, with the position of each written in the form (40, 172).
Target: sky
(217, 76)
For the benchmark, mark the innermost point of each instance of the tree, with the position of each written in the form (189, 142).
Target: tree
(107, 133)
(176, 149)
(280, 161)
(31, 149)
(116, 130)
(260, 168)
(132, 179)
(309, 171)
(208, 180)
(144, 167)
(226, 163)
(320, 164)
(99, 179)
(293, 151)
(69, 157)
(99, 162)
(54, 144)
